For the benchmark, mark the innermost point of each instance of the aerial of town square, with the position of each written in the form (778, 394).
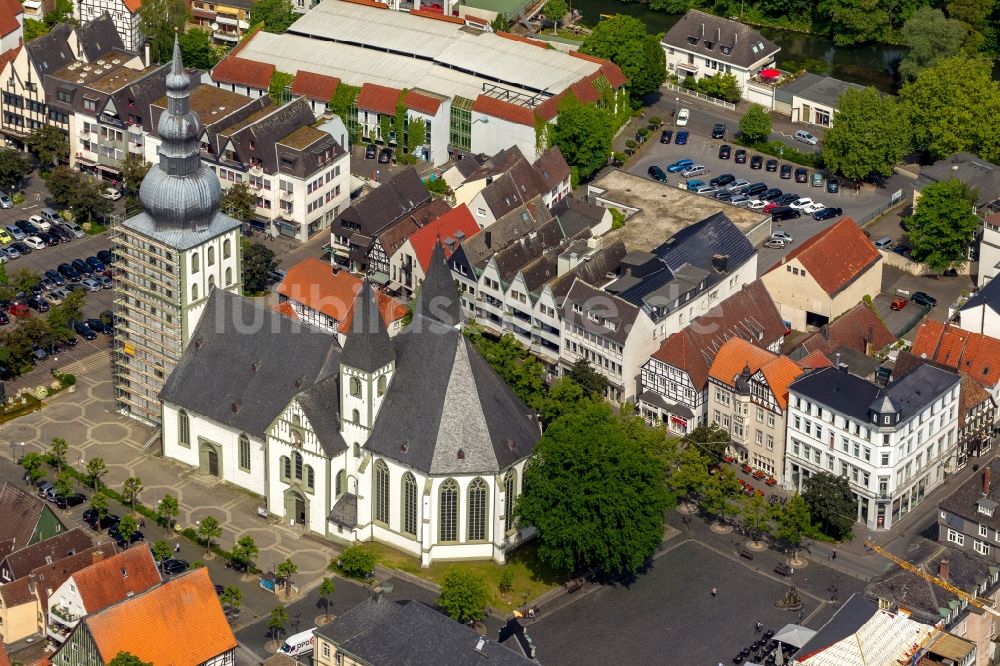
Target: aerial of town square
(499, 332)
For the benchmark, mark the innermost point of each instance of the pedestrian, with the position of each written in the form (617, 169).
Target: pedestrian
(833, 554)
(142, 523)
(714, 592)
(177, 547)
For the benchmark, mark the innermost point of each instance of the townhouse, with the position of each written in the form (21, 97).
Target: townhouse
(972, 354)
(411, 260)
(11, 25)
(893, 445)
(124, 14)
(981, 313)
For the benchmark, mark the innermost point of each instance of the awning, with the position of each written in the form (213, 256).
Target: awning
(231, 11)
(257, 224)
(380, 278)
(690, 68)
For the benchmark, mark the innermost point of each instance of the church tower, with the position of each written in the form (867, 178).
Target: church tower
(366, 368)
(170, 256)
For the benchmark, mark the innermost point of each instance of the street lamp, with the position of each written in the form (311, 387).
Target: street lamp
(677, 106)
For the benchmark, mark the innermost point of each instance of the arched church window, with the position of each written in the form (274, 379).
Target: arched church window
(448, 497)
(381, 492)
(477, 510)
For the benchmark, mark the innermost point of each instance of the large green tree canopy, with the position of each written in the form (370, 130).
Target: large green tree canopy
(930, 37)
(831, 504)
(596, 497)
(624, 41)
(870, 133)
(943, 224)
(583, 133)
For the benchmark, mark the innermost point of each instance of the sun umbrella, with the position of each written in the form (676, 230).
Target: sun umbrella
(770, 73)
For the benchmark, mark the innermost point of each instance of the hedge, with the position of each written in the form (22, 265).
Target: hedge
(778, 149)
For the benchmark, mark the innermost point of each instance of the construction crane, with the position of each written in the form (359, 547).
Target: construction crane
(984, 604)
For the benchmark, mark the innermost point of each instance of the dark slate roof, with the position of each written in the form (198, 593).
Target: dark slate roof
(99, 37)
(321, 405)
(847, 394)
(964, 500)
(51, 51)
(516, 224)
(850, 617)
(409, 633)
(388, 202)
(593, 271)
(966, 167)
(576, 215)
(345, 511)
(746, 46)
(816, 88)
(530, 247)
(367, 346)
(615, 315)
(989, 296)
(438, 300)
(22, 561)
(552, 168)
(21, 511)
(468, 163)
(245, 363)
(517, 186)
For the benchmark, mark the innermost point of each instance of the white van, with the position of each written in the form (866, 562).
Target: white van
(298, 644)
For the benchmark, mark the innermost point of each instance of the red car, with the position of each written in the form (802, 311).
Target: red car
(769, 207)
(19, 310)
(898, 303)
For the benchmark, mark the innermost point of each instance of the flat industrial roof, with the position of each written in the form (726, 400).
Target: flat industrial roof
(362, 44)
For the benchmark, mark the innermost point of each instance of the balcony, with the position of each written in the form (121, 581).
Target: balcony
(286, 195)
(226, 36)
(58, 633)
(222, 19)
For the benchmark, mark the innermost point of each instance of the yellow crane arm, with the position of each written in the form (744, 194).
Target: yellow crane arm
(985, 604)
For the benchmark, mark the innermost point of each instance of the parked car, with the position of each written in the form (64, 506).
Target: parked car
(40, 222)
(827, 213)
(385, 156)
(725, 150)
(902, 250)
(817, 179)
(174, 566)
(679, 165)
(706, 189)
(694, 185)
(656, 173)
(74, 229)
(370, 151)
(756, 204)
(70, 273)
(771, 165)
(120, 538)
(100, 326)
(52, 298)
(782, 236)
(91, 517)
(786, 171)
(96, 264)
(38, 304)
(62, 233)
(813, 208)
(49, 238)
(682, 117)
(111, 194)
(91, 284)
(898, 303)
(802, 175)
(27, 227)
(71, 500)
(771, 205)
(106, 282)
(18, 309)
(5, 201)
(84, 331)
(10, 253)
(666, 136)
(106, 257)
(755, 189)
(784, 213)
(756, 162)
(56, 278)
(786, 198)
(82, 267)
(34, 242)
(832, 186)
(740, 157)
(723, 195)
(771, 194)
(15, 232)
(694, 170)
(5, 237)
(740, 200)
(718, 130)
(722, 179)
(774, 244)
(799, 204)
(682, 138)
(738, 185)
(806, 137)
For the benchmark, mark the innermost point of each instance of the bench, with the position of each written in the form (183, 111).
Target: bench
(745, 552)
(573, 586)
(783, 570)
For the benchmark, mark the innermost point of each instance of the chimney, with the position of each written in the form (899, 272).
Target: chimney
(987, 474)
(489, 180)
(450, 244)
(459, 236)
(146, 58)
(489, 238)
(943, 570)
(842, 367)
(721, 262)
(96, 556)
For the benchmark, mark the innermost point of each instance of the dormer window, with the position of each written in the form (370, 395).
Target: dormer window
(709, 45)
(726, 50)
(692, 40)
(986, 506)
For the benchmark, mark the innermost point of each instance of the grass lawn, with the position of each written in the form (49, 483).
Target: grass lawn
(530, 574)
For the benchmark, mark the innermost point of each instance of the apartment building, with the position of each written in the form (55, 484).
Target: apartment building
(981, 313)
(748, 397)
(972, 354)
(893, 445)
(508, 180)
(378, 107)
(968, 519)
(226, 21)
(124, 14)
(410, 262)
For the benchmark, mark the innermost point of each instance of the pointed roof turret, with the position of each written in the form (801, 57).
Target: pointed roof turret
(438, 298)
(367, 347)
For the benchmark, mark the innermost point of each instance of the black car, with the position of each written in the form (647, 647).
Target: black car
(27, 227)
(786, 171)
(756, 162)
(722, 180)
(120, 538)
(84, 331)
(49, 238)
(96, 264)
(771, 194)
(784, 213)
(38, 304)
(4, 319)
(725, 150)
(82, 267)
(923, 298)
(174, 566)
(666, 136)
(70, 342)
(21, 247)
(56, 277)
(832, 186)
(754, 190)
(100, 327)
(106, 257)
(385, 155)
(64, 234)
(772, 165)
(370, 151)
(719, 130)
(108, 521)
(786, 198)
(828, 213)
(740, 157)
(656, 173)
(71, 500)
(802, 175)
(69, 273)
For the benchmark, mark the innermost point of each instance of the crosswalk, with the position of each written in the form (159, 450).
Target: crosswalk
(89, 364)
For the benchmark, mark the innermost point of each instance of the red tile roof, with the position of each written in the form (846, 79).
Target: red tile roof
(314, 86)
(378, 98)
(422, 103)
(815, 360)
(438, 17)
(549, 109)
(612, 72)
(116, 578)
(971, 394)
(244, 72)
(780, 373)
(504, 110)
(313, 283)
(4, 658)
(585, 90)
(423, 240)
(178, 622)
(734, 356)
(835, 257)
(856, 328)
(9, 11)
(972, 354)
(8, 56)
(527, 40)
(369, 3)
(133, 5)
(285, 309)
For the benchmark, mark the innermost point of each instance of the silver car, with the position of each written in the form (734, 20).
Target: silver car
(90, 284)
(10, 252)
(806, 137)
(17, 234)
(738, 185)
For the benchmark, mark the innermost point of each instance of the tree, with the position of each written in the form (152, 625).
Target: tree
(583, 375)
(24, 279)
(277, 88)
(258, 261)
(64, 184)
(125, 658)
(134, 168)
(718, 494)
(756, 514)
(276, 623)
(239, 202)
(245, 551)
(209, 529)
(505, 583)
(14, 166)
(712, 440)
(34, 29)
(231, 596)
(63, 484)
(99, 503)
(691, 475)
(357, 562)
(60, 316)
(596, 498)
(285, 570)
(128, 527)
(463, 595)
(33, 465)
(161, 551)
(972, 12)
(943, 224)
(500, 24)
(951, 114)
(583, 132)
(276, 15)
(160, 21)
(855, 21)
(89, 204)
(168, 509)
(197, 49)
(792, 522)
(555, 10)
(131, 488)
(58, 450)
(624, 41)
(870, 134)
(722, 85)
(930, 37)
(50, 145)
(831, 503)
(62, 13)
(326, 590)
(343, 100)
(755, 125)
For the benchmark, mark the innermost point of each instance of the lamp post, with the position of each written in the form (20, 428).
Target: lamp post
(677, 106)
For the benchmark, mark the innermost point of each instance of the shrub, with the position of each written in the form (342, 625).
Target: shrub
(357, 562)
(41, 392)
(66, 379)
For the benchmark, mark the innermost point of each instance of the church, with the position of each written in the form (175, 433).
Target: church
(412, 441)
